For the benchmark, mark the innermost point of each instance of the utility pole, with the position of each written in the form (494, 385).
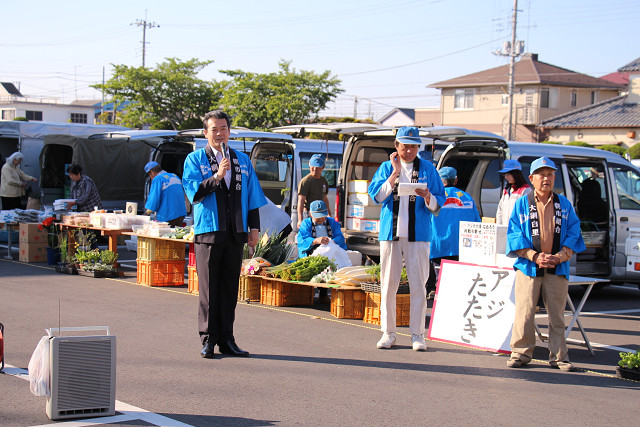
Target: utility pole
(513, 50)
(144, 24)
(355, 107)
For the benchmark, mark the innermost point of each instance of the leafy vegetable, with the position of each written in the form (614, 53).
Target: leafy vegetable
(303, 269)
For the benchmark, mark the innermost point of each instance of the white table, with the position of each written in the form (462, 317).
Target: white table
(589, 282)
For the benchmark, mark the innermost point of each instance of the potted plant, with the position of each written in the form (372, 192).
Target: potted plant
(629, 366)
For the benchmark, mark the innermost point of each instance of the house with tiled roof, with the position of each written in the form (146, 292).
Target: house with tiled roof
(480, 100)
(613, 121)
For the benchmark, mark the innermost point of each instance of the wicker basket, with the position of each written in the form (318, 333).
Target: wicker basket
(375, 288)
(372, 309)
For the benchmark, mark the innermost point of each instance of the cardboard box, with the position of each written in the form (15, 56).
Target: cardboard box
(29, 233)
(361, 211)
(361, 199)
(33, 252)
(360, 224)
(358, 186)
(483, 243)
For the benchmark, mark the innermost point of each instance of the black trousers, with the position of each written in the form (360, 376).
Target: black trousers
(218, 267)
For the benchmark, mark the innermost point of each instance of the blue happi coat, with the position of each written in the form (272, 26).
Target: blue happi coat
(428, 174)
(458, 206)
(519, 235)
(166, 197)
(205, 212)
(305, 236)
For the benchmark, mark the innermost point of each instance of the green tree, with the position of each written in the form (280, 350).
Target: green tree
(634, 151)
(614, 149)
(580, 144)
(170, 92)
(263, 101)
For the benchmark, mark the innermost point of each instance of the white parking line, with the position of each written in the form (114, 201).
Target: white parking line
(128, 412)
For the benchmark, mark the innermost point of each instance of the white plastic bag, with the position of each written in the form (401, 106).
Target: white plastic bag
(39, 369)
(335, 253)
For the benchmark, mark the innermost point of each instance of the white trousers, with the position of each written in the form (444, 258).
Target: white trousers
(416, 260)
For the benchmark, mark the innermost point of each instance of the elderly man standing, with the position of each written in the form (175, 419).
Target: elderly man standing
(405, 232)
(166, 195)
(544, 232)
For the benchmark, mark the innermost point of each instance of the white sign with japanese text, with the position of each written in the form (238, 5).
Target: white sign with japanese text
(474, 306)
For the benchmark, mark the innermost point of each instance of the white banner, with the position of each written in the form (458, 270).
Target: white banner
(474, 306)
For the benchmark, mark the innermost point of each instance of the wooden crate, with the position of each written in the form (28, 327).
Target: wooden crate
(372, 309)
(280, 293)
(160, 273)
(249, 288)
(160, 250)
(347, 303)
(192, 280)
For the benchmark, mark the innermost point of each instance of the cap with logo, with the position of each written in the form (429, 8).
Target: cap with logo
(542, 162)
(510, 165)
(408, 135)
(318, 209)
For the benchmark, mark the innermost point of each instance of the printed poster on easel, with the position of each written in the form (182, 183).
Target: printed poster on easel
(474, 306)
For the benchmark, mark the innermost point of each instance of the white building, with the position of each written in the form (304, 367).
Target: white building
(13, 104)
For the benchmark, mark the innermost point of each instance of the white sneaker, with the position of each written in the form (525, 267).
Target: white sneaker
(388, 339)
(419, 343)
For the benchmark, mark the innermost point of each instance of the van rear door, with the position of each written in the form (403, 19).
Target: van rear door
(274, 164)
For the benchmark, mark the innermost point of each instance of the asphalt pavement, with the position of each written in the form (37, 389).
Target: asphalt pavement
(306, 367)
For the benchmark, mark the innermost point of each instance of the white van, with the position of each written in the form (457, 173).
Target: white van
(603, 187)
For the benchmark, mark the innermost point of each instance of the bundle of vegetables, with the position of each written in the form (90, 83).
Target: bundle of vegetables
(352, 276)
(274, 248)
(303, 269)
(327, 276)
(180, 233)
(374, 274)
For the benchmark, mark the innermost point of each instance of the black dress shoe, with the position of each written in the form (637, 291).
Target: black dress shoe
(231, 348)
(207, 350)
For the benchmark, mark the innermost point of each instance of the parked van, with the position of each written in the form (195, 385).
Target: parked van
(603, 187)
(114, 160)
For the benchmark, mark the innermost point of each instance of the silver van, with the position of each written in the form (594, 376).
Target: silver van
(603, 187)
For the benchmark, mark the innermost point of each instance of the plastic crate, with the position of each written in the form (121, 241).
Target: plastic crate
(347, 303)
(160, 273)
(160, 250)
(192, 282)
(249, 288)
(192, 255)
(372, 309)
(280, 293)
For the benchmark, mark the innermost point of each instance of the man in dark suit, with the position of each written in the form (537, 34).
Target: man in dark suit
(226, 196)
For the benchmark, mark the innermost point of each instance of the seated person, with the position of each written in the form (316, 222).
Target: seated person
(316, 230)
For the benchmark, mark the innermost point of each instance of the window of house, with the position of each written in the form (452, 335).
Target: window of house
(594, 96)
(505, 99)
(548, 97)
(463, 99)
(78, 118)
(34, 115)
(574, 99)
(8, 114)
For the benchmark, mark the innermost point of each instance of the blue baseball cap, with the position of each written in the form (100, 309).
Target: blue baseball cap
(408, 135)
(150, 166)
(318, 209)
(317, 161)
(448, 172)
(510, 165)
(542, 162)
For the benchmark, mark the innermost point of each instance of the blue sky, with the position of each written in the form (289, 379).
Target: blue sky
(385, 52)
